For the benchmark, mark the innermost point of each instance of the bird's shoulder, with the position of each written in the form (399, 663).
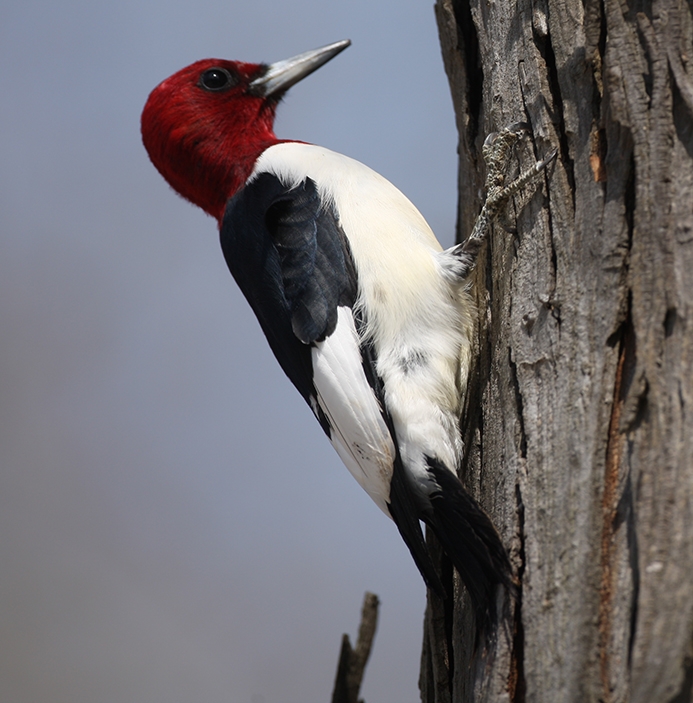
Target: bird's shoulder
(286, 248)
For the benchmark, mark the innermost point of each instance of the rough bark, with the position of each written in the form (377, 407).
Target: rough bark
(579, 422)
(352, 660)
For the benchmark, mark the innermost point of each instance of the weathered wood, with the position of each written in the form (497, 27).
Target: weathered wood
(579, 422)
(352, 662)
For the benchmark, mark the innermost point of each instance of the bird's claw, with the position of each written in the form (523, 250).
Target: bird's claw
(497, 151)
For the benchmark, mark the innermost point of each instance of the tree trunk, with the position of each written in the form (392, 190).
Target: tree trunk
(579, 422)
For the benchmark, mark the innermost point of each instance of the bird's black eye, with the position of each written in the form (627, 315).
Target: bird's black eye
(216, 79)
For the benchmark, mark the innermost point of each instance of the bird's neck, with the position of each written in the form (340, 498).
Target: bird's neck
(207, 161)
(215, 172)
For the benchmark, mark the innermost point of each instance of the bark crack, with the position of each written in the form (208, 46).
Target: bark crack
(517, 684)
(616, 509)
(613, 460)
(462, 10)
(518, 404)
(545, 48)
(629, 201)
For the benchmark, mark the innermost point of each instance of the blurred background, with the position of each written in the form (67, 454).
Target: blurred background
(174, 526)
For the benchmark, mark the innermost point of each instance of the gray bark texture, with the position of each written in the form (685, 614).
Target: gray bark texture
(579, 420)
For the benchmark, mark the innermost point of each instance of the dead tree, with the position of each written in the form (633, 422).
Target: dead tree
(579, 416)
(352, 660)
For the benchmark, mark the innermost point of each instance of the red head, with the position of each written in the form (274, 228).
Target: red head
(205, 126)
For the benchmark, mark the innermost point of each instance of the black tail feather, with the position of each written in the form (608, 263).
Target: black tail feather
(404, 512)
(470, 540)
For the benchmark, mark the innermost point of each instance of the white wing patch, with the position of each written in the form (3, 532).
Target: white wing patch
(359, 433)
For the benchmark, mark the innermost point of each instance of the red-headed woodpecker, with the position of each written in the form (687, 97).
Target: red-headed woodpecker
(365, 312)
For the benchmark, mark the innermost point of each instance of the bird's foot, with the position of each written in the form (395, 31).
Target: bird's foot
(497, 152)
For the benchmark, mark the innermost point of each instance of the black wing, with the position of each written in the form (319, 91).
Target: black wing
(291, 260)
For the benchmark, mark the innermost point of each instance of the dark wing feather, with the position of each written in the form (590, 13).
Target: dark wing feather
(291, 260)
(317, 268)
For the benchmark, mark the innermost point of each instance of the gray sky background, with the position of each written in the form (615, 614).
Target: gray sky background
(174, 526)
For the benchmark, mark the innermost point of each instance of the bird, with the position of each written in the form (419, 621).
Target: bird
(368, 316)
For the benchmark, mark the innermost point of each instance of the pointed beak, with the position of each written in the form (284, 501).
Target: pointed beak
(280, 76)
